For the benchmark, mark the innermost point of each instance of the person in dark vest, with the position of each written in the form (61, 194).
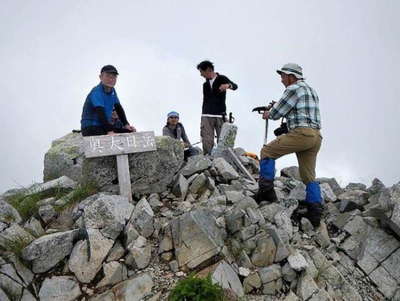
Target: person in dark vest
(175, 129)
(97, 110)
(214, 107)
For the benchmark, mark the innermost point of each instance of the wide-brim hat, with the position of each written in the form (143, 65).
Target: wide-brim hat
(292, 68)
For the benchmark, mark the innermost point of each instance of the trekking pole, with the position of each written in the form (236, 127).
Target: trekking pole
(261, 110)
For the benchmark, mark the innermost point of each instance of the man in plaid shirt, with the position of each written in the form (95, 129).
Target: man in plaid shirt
(300, 106)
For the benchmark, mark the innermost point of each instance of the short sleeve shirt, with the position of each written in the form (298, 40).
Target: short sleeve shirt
(98, 98)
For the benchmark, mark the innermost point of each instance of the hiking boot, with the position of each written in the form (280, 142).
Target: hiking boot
(265, 191)
(266, 195)
(314, 213)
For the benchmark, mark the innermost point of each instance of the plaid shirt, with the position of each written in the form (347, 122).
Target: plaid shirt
(299, 105)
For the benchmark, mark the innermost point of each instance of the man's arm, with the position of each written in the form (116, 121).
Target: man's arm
(121, 115)
(284, 105)
(227, 84)
(185, 138)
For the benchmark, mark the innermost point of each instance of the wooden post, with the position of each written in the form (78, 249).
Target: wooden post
(124, 178)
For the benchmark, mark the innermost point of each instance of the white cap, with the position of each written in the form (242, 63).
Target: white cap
(292, 68)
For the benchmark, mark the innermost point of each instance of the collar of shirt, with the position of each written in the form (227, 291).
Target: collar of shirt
(213, 79)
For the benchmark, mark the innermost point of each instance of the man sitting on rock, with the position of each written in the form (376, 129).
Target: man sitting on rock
(175, 129)
(99, 104)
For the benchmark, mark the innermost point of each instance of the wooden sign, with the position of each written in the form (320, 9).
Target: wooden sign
(120, 145)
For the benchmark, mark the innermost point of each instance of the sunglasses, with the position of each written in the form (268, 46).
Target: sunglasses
(174, 117)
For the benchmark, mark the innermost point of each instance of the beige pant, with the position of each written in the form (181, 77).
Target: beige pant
(208, 126)
(305, 142)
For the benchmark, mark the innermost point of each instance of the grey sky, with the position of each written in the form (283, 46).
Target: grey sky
(51, 53)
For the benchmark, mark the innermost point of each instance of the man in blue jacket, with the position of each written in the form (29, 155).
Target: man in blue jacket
(99, 105)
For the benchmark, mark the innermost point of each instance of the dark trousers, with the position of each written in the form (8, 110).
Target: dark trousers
(99, 130)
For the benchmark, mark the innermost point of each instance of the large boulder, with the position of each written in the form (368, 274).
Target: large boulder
(108, 213)
(197, 238)
(150, 171)
(46, 251)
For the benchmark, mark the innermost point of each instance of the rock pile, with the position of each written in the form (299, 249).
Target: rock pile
(200, 217)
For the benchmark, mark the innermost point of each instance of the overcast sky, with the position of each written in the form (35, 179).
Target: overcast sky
(51, 53)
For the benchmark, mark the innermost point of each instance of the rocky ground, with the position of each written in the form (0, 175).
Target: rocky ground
(60, 240)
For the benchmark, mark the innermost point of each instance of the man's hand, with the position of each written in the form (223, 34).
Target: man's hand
(110, 133)
(265, 115)
(129, 127)
(224, 87)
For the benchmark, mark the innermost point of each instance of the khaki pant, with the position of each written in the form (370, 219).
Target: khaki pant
(207, 127)
(305, 142)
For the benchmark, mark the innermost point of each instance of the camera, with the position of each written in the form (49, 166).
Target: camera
(283, 129)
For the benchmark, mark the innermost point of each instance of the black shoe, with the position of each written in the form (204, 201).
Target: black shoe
(265, 191)
(314, 213)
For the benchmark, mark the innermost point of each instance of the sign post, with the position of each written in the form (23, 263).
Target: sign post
(120, 145)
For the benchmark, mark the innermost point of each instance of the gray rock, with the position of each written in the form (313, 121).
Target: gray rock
(139, 253)
(196, 164)
(63, 182)
(150, 171)
(327, 193)
(23, 272)
(234, 196)
(59, 288)
(116, 252)
(306, 287)
(356, 186)
(84, 268)
(227, 278)
(356, 226)
(269, 211)
(359, 197)
(234, 220)
(288, 273)
(251, 282)
(10, 287)
(264, 254)
(297, 261)
(255, 216)
(154, 201)
(225, 170)
(376, 186)
(332, 183)
(197, 238)
(114, 272)
(282, 248)
(270, 273)
(199, 184)
(9, 271)
(298, 192)
(130, 234)
(291, 297)
(133, 289)
(14, 234)
(291, 172)
(47, 213)
(46, 251)
(392, 264)
(180, 187)
(143, 218)
(306, 226)
(108, 213)
(226, 138)
(3, 295)
(385, 282)
(34, 226)
(8, 214)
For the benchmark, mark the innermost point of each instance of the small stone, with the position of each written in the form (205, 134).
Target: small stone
(297, 261)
